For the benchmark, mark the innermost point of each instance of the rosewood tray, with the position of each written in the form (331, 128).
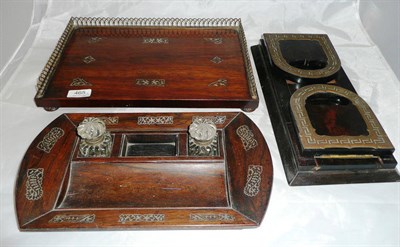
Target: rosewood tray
(148, 170)
(139, 62)
(326, 133)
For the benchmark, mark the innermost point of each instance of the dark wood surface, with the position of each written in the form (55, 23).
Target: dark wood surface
(184, 63)
(303, 167)
(230, 190)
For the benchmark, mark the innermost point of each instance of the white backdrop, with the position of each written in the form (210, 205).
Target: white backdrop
(334, 215)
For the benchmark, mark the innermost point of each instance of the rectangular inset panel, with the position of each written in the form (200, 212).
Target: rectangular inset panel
(333, 162)
(132, 185)
(150, 145)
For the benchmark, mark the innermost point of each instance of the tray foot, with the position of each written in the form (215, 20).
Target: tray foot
(50, 108)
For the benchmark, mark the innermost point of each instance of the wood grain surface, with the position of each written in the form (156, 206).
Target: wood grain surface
(150, 66)
(60, 190)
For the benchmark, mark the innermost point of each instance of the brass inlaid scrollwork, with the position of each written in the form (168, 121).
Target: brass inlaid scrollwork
(253, 181)
(150, 120)
(216, 60)
(126, 218)
(219, 83)
(34, 181)
(150, 82)
(94, 40)
(214, 119)
(77, 82)
(216, 41)
(211, 217)
(247, 137)
(155, 41)
(65, 218)
(88, 59)
(50, 139)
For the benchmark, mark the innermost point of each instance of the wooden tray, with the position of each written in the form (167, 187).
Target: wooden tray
(326, 133)
(59, 189)
(121, 62)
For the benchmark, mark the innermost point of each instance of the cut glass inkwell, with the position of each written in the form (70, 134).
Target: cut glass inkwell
(95, 141)
(203, 138)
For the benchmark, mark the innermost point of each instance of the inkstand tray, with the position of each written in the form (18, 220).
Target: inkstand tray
(142, 170)
(139, 62)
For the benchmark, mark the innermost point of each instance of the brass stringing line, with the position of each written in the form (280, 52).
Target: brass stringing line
(347, 156)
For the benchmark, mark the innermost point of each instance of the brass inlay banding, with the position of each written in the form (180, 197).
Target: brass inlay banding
(333, 63)
(309, 139)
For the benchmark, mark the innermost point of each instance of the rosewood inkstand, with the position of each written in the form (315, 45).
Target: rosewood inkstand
(141, 171)
(326, 133)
